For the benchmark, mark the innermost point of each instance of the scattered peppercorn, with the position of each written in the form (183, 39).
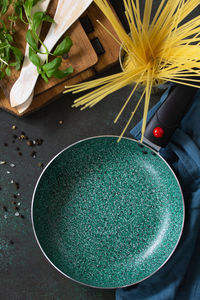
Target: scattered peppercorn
(39, 142)
(29, 143)
(34, 154)
(16, 184)
(11, 242)
(21, 137)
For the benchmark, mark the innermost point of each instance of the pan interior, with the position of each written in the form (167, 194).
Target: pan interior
(108, 214)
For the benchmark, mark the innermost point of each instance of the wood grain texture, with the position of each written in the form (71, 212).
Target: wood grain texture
(47, 97)
(110, 46)
(82, 57)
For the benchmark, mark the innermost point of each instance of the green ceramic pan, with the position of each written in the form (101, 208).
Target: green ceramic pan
(108, 214)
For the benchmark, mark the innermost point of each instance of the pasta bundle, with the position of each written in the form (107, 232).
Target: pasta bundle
(159, 48)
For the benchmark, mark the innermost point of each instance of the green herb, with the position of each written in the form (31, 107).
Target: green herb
(31, 40)
(38, 18)
(8, 51)
(51, 69)
(4, 4)
(48, 69)
(11, 56)
(63, 47)
(34, 58)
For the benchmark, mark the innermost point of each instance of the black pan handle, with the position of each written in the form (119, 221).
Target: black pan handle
(162, 125)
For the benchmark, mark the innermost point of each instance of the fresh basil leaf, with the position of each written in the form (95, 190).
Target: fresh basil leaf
(48, 19)
(9, 37)
(31, 41)
(39, 69)
(28, 7)
(3, 26)
(50, 73)
(5, 5)
(16, 64)
(37, 19)
(8, 71)
(3, 45)
(17, 53)
(61, 73)
(7, 53)
(34, 58)
(53, 65)
(40, 17)
(19, 11)
(18, 57)
(44, 77)
(2, 74)
(63, 47)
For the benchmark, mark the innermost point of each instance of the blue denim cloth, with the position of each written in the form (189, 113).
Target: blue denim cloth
(179, 278)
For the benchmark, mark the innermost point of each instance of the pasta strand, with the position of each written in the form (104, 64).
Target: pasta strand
(166, 49)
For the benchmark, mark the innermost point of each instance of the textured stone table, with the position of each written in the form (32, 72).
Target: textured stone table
(25, 274)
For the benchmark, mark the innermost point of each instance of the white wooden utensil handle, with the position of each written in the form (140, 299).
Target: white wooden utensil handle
(40, 6)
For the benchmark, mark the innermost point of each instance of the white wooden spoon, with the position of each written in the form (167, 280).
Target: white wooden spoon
(67, 12)
(40, 6)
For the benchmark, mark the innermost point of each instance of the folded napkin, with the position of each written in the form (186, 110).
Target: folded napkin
(179, 278)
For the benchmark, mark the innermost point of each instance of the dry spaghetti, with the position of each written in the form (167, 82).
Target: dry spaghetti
(159, 48)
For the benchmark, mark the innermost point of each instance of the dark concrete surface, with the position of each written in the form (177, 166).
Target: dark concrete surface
(25, 274)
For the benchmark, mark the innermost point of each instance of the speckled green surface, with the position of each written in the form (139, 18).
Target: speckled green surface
(108, 214)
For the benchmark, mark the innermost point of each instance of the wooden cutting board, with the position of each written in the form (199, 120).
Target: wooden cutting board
(82, 57)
